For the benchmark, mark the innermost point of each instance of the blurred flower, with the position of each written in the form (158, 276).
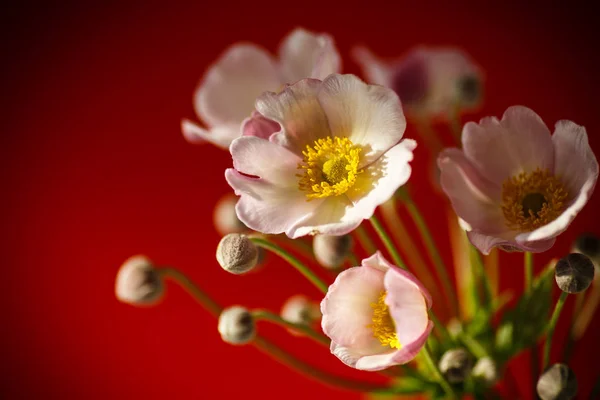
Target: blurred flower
(486, 370)
(376, 315)
(516, 186)
(299, 309)
(236, 325)
(331, 251)
(456, 365)
(574, 273)
(237, 254)
(557, 383)
(225, 97)
(431, 82)
(339, 155)
(225, 218)
(138, 282)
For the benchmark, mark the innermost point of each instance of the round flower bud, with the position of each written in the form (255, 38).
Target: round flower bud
(225, 218)
(557, 383)
(485, 369)
(588, 244)
(236, 325)
(138, 282)
(574, 273)
(300, 309)
(331, 251)
(456, 365)
(237, 254)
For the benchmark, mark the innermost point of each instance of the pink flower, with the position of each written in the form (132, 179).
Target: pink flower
(337, 155)
(226, 94)
(516, 186)
(376, 315)
(431, 82)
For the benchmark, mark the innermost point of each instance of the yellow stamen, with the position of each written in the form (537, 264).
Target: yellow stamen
(330, 167)
(383, 326)
(532, 199)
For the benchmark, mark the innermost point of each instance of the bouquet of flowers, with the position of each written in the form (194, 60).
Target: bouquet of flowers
(317, 153)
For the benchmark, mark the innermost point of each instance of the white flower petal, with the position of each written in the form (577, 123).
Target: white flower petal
(331, 217)
(221, 136)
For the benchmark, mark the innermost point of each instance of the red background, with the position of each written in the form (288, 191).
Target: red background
(94, 169)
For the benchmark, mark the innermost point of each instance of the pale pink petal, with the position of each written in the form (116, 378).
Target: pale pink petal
(406, 354)
(475, 200)
(407, 305)
(298, 112)
(375, 70)
(221, 136)
(266, 207)
(227, 92)
(369, 115)
(500, 149)
(347, 310)
(259, 126)
(331, 217)
(377, 261)
(269, 161)
(507, 241)
(304, 54)
(379, 181)
(352, 357)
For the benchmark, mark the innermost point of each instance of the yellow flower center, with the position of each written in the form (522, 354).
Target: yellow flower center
(532, 199)
(330, 167)
(383, 326)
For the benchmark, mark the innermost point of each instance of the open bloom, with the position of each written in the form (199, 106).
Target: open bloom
(431, 82)
(226, 94)
(516, 186)
(337, 155)
(376, 315)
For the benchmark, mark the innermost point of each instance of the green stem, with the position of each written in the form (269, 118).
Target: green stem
(353, 260)
(179, 277)
(480, 275)
(303, 269)
(434, 254)
(551, 326)
(528, 271)
(365, 240)
(437, 374)
(266, 315)
(389, 245)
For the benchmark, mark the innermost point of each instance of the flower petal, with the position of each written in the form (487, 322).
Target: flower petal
(259, 126)
(304, 54)
(347, 309)
(269, 161)
(380, 180)
(375, 70)
(298, 112)
(501, 149)
(369, 115)
(266, 207)
(331, 217)
(227, 92)
(507, 242)
(405, 354)
(474, 199)
(221, 136)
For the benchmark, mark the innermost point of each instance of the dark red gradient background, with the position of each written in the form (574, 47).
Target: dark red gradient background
(94, 169)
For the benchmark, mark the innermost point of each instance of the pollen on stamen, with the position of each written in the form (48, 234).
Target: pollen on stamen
(383, 326)
(330, 167)
(532, 199)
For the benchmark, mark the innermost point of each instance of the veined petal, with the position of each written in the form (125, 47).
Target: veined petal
(347, 309)
(369, 115)
(265, 207)
(379, 181)
(298, 112)
(304, 54)
(259, 126)
(227, 92)
(507, 241)
(331, 217)
(221, 136)
(520, 142)
(474, 199)
(256, 156)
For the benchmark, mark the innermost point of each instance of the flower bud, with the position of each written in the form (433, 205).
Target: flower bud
(138, 282)
(236, 325)
(456, 365)
(574, 273)
(469, 89)
(588, 244)
(557, 383)
(331, 251)
(454, 327)
(237, 254)
(300, 309)
(225, 218)
(485, 369)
